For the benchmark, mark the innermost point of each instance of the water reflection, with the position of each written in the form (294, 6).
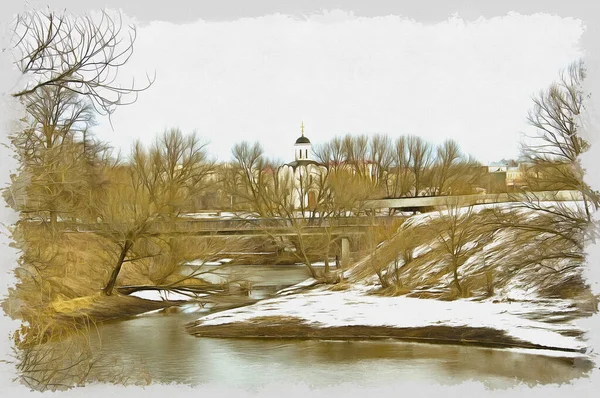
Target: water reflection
(156, 347)
(159, 347)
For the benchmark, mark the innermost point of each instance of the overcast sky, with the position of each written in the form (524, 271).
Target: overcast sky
(256, 73)
(259, 78)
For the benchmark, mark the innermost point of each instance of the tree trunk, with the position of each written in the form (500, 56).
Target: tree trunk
(53, 224)
(382, 280)
(585, 203)
(456, 282)
(113, 277)
(53, 220)
(313, 273)
(327, 261)
(397, 272)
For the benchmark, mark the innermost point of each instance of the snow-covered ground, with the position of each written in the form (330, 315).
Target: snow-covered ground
(224, 215)
(355, 307)
(165, 295)
(496, 254)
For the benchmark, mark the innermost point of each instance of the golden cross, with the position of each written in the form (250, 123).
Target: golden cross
(302, 128)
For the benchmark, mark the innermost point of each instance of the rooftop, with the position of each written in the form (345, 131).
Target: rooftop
(302, 140)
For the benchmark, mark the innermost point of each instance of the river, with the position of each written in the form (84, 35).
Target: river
(155, 347)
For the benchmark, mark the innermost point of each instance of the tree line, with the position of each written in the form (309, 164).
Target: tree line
(67, 174)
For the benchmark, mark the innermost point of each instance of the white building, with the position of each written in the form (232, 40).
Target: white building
(304, 173)
(497, 167)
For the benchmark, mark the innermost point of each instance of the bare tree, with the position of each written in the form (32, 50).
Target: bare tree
(452, 172)
(555, 151)
(247, 178)
(363, 156)
(56, 152)
(448, 155)
(559, 231)
(81, 54)
(70, 65)
(421, 158)
(174, 170)
(457, 233)
(380, 153)
(356, 153)
(402, 179)
(153, 188)
(331, 153)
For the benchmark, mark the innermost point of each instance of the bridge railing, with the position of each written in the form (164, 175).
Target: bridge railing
(466, 200)
(216, 225)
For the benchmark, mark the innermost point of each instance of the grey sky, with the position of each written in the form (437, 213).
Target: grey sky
(426, 11)
(258, 79)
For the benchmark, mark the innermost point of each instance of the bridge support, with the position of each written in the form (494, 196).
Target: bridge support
(345, 252)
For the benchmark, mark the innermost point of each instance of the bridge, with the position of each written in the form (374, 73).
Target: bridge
(422, 202)
(241, 227)
(340, 227)
(337, 226)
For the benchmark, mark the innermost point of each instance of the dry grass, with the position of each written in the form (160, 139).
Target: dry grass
(340, 286)
(414, 262)
(76, 305)
(394, 290)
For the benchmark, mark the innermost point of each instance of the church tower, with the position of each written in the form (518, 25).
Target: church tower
(302, 146)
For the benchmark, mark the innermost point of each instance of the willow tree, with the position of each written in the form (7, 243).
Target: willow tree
(555, 150)
(380, 154)
(459, 234)
(452, 171)
(70, 66)
(154, 187)
(56, 156)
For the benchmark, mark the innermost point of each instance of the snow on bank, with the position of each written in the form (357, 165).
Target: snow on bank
(503, 260)
(324, 308)
(291, 289)
(420, 219)
(355, 307)
(165, 295)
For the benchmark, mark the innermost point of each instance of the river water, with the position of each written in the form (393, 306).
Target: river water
(155, 347)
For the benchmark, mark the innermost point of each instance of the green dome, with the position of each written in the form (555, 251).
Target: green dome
(302, 140)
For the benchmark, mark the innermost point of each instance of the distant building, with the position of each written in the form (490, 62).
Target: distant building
(304, 173)
(501, 177)
(515, 177)
(497, 167)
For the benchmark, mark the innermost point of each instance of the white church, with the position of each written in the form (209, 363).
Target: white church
(304, 173)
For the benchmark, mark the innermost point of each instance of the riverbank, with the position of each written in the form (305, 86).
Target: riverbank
(356, 314)
(101, 308)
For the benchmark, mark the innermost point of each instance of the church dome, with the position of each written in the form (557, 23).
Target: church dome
(302, 140)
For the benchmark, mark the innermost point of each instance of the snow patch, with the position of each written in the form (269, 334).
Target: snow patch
(165, 295)
(324, 308)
